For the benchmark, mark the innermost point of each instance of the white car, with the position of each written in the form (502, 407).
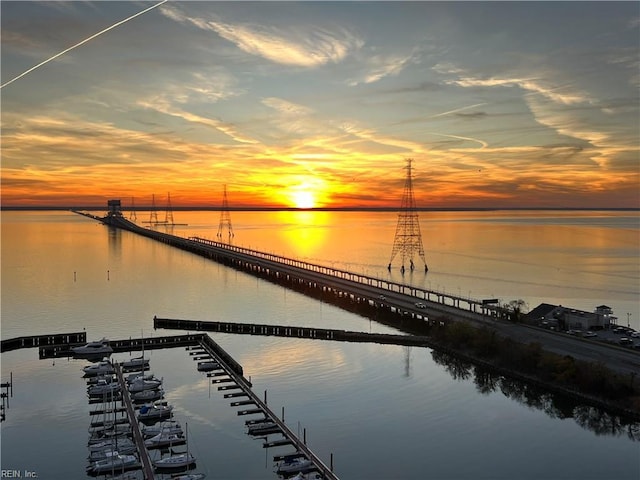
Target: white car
(420, 305)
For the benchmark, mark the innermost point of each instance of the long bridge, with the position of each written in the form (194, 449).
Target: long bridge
(401, 306)
(411, 302)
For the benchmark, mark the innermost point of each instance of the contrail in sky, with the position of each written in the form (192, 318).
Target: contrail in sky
(82, 43)
(457, 110)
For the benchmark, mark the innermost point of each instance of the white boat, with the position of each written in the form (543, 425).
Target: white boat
(139, 385)
(289, 466)
(147, 395)
(91, 349)
(188, 476)
(181, 460)
(136, 362)
(101, 378)
(165, 440)
(101, 368)
(98, 437)
(103, 454)
(303, 476)
(103, 388)
(114, 462)
(139, 376)
(156, 411)
(170, 426)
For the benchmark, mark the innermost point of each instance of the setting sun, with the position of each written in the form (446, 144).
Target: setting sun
(306, 192)
(303, 199)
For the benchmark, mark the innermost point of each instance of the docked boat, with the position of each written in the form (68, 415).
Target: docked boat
(155, 412)
(103, 454)
(126, 476)
(263, 428)
(188, 476)
(165, 440)
(114, 462)
(112, 434)
(208, 366)
(103, 388)
(305, 476)
(135, 363)
(93, 349)
(170, 426)
(139, 376)
(140, 384)
(101, 378)
(291, 466)
(101, 368)
(147, 395)
(181, 460)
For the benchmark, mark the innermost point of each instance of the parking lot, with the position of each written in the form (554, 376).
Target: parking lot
(620, 335)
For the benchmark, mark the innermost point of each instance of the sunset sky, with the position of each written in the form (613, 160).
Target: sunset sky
(318, 104)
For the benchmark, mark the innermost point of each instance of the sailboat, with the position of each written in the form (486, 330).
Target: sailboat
(177, 461)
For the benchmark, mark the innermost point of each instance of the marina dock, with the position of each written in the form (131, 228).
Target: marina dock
(147, 466)
(230, 368)
(291, 331)
(59, 339)
(225, 372)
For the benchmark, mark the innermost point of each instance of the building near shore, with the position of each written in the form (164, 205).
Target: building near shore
(558, 317)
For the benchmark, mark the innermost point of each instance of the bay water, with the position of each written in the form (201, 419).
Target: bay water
(383, 411)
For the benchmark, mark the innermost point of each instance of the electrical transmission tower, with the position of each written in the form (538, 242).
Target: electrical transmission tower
(408, 241)
(153, 214)
(225, 217)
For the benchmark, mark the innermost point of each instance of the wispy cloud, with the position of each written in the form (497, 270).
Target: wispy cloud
(559, 94)
(286, 107)
(303, 46)
(380, 66)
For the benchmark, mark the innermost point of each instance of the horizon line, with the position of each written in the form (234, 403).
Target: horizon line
(295, 209)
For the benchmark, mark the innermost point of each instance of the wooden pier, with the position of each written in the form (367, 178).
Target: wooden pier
(234, 372)
(147, 466)
(312, 333)
(126, 345)
(58, 339)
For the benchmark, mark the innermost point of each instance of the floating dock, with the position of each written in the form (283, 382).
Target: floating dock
(293, 332)
(61, 339)
(128, 345)
(234, 371)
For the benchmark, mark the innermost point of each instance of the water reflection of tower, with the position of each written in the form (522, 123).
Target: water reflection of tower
(168, 216)
(408, 240)
(407, 361)
(132, 214)
(225, 217)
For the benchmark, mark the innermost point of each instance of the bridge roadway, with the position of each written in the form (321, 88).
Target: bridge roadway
(388, 295)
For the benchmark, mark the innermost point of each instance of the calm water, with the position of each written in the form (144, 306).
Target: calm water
(383, 411)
